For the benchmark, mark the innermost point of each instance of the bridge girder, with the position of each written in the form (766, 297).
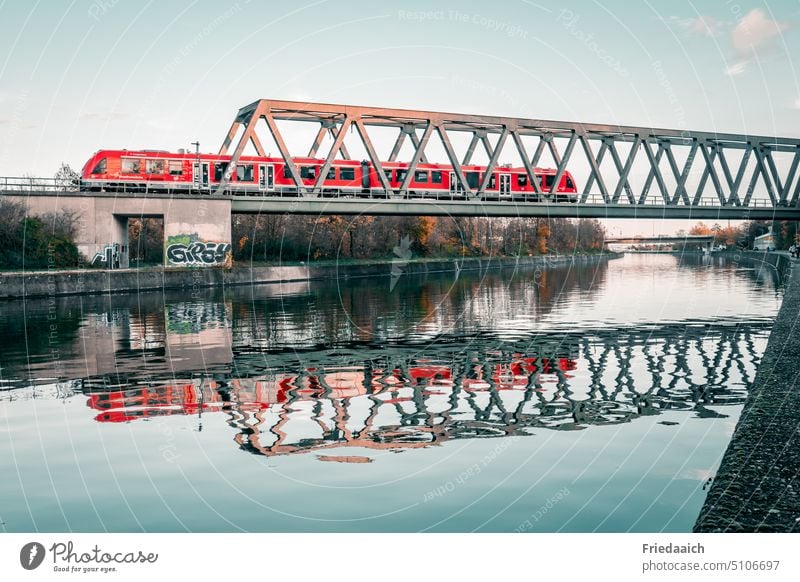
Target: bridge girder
(720, 185)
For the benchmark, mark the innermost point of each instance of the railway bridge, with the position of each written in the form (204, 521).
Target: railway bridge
(620, 172)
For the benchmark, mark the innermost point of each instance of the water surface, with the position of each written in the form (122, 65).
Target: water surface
(591, 397)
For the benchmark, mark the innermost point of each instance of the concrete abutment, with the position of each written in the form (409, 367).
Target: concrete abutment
(197, 233)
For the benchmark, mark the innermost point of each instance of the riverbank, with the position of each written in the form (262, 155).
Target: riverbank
(757, 487)
(16, 285)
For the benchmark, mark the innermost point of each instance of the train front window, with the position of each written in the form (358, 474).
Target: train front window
(570, 183)
(131, 166)
(244, 172)
(100, 168)
(436, 177)
(175, 167)
(347, 173)
(154, 166)
(219, 171)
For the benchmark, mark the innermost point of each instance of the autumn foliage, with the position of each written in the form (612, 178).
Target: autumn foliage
(274, 238)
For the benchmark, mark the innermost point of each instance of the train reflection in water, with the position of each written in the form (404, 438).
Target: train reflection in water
(412, 400)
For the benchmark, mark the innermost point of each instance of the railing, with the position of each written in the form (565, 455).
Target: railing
(32, 184)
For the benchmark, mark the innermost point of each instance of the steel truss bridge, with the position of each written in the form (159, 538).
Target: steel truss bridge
(684, 174)
(621, 171)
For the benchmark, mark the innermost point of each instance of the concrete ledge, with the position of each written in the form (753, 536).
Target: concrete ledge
(56, 283)
(757, 487)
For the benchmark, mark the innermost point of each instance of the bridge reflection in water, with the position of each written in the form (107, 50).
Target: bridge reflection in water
(303, 368)
(416, 397)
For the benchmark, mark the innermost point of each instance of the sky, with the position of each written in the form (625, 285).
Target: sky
(82, 75)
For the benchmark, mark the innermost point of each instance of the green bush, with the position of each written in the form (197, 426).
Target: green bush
(35, 242)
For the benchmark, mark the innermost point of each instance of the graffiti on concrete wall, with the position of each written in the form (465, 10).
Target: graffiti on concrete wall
(108, 257)
(189, 251)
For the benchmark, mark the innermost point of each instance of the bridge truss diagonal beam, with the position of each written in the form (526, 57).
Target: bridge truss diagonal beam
(687, 169)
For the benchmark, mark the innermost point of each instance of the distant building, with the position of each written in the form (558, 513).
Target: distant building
(765, 242)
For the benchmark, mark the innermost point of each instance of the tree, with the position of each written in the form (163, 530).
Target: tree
(35, 241)
(700, 229)
(66, 178)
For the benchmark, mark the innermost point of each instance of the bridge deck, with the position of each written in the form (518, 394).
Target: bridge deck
(446, 207)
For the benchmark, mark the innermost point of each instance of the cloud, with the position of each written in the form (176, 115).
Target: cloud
(796, 104)
(699, 26)
(703, 25)
(755, 32)
(736, 68)
(754, 36)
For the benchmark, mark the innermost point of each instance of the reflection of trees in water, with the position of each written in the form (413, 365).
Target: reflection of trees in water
(366, 309)
(763, 274)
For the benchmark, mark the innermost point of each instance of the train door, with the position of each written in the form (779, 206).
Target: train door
(455, 187)
(505, 184)
(266, 177)
(201, 175)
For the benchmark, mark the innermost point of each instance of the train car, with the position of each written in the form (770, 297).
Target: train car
(145, 402)
(165, 172)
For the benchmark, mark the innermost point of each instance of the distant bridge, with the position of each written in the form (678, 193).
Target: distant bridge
(662, 239)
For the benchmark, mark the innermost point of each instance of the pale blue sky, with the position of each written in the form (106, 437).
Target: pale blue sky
(83, 75)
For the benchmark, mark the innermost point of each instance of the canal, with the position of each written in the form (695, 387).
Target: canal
(594, 397)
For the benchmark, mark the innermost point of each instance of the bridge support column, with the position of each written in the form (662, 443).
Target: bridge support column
(197, 233)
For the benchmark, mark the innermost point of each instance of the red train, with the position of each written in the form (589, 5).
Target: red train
(161, 171)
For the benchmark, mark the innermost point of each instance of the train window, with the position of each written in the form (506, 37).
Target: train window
(436, 177)
(331, 174)
(388, 174)
(219, 171)
(522, 180)
(308, 172)
(421, 176)
(472, 179)
(492, 181)
(244, 172)
(175, 167)
(131, 166)
(548, 182)
(100, 168)
(154, 166)
(401, 175)
(347, 173)
(287, 174)
(570, 183)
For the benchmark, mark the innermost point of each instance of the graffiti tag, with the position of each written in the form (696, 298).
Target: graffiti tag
(198, 253)
(108, 257)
